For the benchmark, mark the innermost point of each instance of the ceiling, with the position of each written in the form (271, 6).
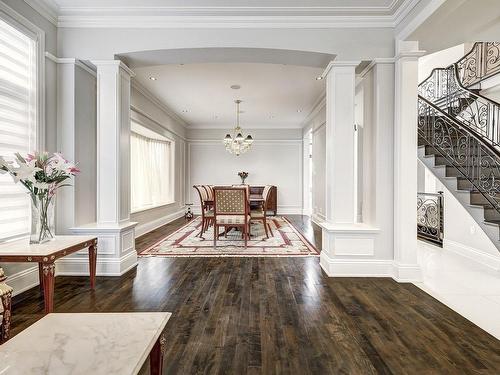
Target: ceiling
(273, 95)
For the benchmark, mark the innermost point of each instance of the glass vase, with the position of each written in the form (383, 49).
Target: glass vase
(42, 219)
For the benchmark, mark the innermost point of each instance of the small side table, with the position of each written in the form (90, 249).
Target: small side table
(46, 254)
(5, 307)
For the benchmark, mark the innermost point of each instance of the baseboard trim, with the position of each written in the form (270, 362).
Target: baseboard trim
(317, 218)
(472, 254)
(23, 280)
(401, 273)
(355, 267)
(73, 266)
(154, 224)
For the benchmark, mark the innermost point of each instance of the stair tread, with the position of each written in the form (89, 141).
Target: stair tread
(493, 222)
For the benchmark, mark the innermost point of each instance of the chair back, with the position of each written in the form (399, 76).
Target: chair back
(210, 192)
(266, 194)
(230, 201)
(202, 193)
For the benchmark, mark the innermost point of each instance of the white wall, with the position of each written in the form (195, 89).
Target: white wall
(317, 124)
(275, 158)
(104, 43)
(441, 59)
(149, 113)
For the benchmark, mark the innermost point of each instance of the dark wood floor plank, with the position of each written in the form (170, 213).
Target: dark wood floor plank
(279, 316)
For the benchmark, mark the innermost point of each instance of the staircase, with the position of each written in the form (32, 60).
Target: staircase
(459, 134)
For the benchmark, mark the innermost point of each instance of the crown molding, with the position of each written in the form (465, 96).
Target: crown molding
(156, 101)
(224, 17)
(46, 8)
(235, 22)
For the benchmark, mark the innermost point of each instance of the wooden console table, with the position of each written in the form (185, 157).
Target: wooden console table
(45, 255)
(94, 343)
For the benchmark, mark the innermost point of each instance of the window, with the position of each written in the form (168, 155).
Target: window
(18, 113)
(151, 169)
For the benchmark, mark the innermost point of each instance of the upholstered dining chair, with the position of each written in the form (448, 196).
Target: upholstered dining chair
(260, 214)
(231, 210)
(207, 213)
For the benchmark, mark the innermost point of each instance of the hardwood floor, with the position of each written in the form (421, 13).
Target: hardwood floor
(280, 316)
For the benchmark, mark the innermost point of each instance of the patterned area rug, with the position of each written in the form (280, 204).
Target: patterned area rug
(285, 241)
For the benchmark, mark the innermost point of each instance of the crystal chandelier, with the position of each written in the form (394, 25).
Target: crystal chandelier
(237, 144)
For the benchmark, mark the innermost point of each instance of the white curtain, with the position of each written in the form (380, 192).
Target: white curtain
(151, 183)
(17, 123)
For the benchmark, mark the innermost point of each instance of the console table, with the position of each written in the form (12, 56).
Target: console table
(93, 343)
(45, 255)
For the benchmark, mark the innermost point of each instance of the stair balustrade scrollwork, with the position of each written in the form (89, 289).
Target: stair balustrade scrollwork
(463, 147)
(482, 61)
(444, 89)
(430, 218)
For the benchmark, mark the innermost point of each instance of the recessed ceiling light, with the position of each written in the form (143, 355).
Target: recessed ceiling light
(184, 111)
(235, 87)
(299, 110)
(319, 78)
(152, 78)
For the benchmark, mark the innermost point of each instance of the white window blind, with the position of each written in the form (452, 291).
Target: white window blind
(151, 167)
(17, 123)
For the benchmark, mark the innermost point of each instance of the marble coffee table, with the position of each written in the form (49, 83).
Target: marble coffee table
(94, 343)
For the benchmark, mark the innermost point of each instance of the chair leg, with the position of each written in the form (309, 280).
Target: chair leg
(201, 227)
(216, 230)
(245, 235)
(265, 227)
(270, 230)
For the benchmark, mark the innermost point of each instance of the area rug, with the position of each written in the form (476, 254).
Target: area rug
(286, 241)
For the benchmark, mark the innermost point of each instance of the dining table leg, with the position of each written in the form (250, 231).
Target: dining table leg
(92, 265)
(48, 271)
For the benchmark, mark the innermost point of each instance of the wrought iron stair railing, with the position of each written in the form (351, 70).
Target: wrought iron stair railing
(444, 89)
(430, 218)
(482, 61)
(463, 147)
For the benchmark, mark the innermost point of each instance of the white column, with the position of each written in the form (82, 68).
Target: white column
(340, 150)
(347, 245)
(116, 249)
(405, 162)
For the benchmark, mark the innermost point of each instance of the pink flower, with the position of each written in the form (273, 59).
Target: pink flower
(30, 157)
(73, 170)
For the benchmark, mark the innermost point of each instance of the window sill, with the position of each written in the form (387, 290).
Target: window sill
(142, 209)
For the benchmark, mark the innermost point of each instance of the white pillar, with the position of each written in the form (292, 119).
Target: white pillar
(347, 245)
(116, 252)
(340, 150)
(405, 162)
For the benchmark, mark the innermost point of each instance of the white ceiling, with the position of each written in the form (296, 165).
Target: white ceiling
(273, 95)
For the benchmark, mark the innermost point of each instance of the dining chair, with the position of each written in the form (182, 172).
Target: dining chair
(207, 213)
(260, 214)
(210, 196)
(231, 210)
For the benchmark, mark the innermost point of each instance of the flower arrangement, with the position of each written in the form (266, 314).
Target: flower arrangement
(41, 174)
(243, 176)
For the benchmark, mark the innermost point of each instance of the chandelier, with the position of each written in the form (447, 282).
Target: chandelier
(237, 144)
